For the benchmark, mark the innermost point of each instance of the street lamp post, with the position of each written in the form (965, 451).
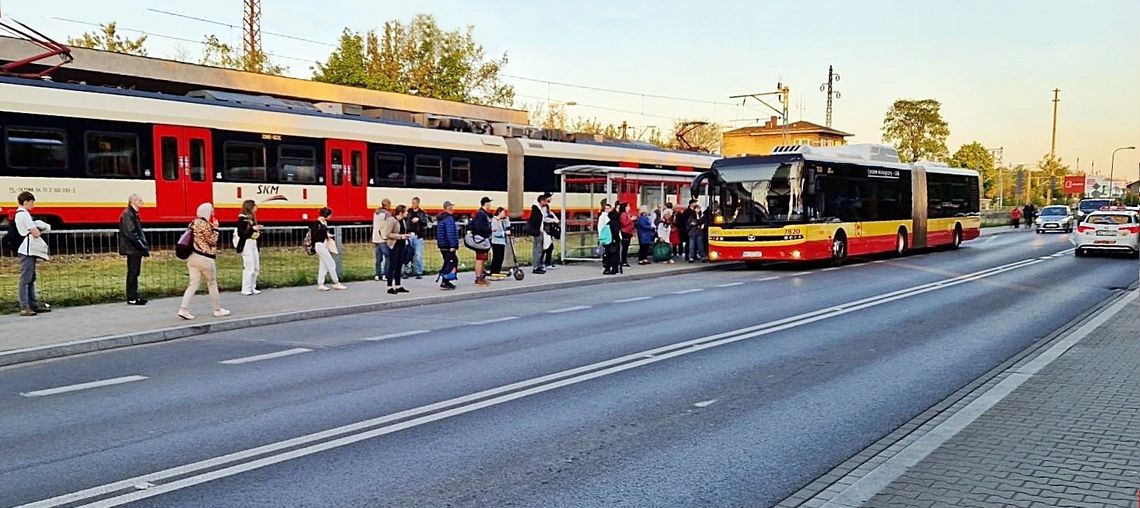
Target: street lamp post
(1112, 166)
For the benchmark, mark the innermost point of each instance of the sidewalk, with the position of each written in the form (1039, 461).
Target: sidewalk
(76, 330)
(1061, 427)
(1068, 436)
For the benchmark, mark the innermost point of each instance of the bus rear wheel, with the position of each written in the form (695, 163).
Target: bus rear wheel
(957, 242)
(839, 249)
(900, 243)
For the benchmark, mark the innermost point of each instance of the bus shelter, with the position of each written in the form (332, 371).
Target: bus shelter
(584, 187)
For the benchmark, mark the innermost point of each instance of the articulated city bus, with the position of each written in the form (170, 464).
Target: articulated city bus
(803, 203)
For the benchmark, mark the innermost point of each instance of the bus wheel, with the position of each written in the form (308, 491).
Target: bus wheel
(839, 249)
(957, 237)
(900, 243)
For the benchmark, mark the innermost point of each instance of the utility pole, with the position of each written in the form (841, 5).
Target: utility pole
(251, 42)
(998, 154)
(1056, 99)
(783, 91)
(832, 77)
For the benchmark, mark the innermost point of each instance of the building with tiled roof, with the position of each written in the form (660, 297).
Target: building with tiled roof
(761, 139)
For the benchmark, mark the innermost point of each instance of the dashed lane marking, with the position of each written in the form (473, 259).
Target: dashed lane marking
(800, 274)
(687, 291)
(730, 284)
(705, 403)
(634, 299)
(395, 335)
(83, 386)
(568, 309)
(267, 356)
(495, 320)
(766, 279)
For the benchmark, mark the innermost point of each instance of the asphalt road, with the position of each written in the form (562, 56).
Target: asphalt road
(730, 388)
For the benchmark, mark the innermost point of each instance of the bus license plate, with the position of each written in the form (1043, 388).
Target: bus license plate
(753, 254)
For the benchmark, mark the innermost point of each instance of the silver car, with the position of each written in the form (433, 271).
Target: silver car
(1055, 218)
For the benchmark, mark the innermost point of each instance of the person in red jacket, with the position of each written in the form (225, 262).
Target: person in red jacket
(1015, 217)
(627, 226)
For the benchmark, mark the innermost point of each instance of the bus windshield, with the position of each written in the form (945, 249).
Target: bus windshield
(760, 194)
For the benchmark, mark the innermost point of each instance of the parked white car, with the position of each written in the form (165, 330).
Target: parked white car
(1112, 229)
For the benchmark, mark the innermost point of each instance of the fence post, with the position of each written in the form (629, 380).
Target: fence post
(339, 257)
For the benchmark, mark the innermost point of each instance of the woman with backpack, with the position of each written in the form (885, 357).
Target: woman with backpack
(200, 264)
(322, 237)
(606, 241)
(245, 241)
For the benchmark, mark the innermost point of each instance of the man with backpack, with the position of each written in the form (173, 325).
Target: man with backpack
(447, 239)
(133, 245)
(21, 233)
(534, 229)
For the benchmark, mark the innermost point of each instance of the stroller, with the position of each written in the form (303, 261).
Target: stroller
(510, 260)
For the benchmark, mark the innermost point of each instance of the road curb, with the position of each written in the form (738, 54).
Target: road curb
(77, 347)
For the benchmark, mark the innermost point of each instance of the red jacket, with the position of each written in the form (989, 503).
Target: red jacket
(627, 225)
(1015, 214)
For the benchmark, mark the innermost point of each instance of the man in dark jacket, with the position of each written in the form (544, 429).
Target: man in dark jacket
(417, 226)
(698, 228)
(683, 231)
(132, 244)
(447, 239)
(481, 227)
(534, 224)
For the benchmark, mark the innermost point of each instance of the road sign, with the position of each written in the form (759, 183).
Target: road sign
(1074, 185)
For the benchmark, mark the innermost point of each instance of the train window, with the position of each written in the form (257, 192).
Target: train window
(337, 167)
(245, 162)
(460, 171)
(168, 151)
(390, 169)
(198, 160)
(36, 148)
(429, 169)
(296, 164)
(356, 172)
(112, 154)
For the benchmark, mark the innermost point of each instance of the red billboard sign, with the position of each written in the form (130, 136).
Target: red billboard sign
(1074, 185)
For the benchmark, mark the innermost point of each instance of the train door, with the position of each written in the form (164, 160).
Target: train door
(184, 176)
(345, 178)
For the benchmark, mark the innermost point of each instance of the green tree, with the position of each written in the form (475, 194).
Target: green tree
(107, 38)
(418, 56)
(975, 156)
(917, 129)
(1050, 179)
(216, 53)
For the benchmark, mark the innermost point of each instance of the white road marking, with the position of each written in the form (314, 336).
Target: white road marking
(395, 335)
(1044, 258)
(766, 279)
(83, 386)
(254, 458)
(832, 269)
(799, 274)
(266, 356)
(730, 284)
(687, 291)
(568, 309)
(877, 261)
(634, 299)
(705, 403)
(496, 320)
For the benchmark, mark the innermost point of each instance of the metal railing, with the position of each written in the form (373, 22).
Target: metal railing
(85, 266)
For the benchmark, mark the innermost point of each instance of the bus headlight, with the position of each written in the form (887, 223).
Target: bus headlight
(714, 255)
(718, 219)
(796, 254)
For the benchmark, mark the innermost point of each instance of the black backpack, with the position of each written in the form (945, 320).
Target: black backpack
(13, 238)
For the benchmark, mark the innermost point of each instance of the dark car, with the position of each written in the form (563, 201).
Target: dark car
(1087, 206)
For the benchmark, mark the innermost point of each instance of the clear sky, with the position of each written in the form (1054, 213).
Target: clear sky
(992, 64)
